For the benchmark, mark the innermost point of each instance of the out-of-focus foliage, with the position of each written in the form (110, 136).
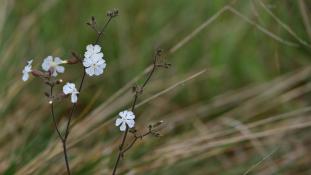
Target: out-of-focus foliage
(247, 110)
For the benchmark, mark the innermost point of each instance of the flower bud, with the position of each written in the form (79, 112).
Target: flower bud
(60, 96)
(113, 13)
(59, 81)
(137, 89)
(158, 124)
(73, 60)
(38, 73)
(46, 94)
(93, 20)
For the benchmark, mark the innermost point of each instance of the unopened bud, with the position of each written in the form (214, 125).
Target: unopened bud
(59, 81)
(46, 94)
(156, 134)
(158, 123)
(137, 89)
(164, 65)
(113, 13)
(72, 60)
(50, 102)
(159, 52)
(132, 130)
(93, 19)
(38, 73)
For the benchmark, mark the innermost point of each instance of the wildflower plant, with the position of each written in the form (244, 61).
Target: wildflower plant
(93, 64)
(126, 120)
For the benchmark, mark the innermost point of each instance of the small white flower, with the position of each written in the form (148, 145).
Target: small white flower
(93, 60)
(70, 88)
(126, 118)
(53, 64)
(27, 70)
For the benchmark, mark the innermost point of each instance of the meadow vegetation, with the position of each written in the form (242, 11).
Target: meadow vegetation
(236, 99)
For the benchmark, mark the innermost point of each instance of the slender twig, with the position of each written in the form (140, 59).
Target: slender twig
(138, 91)
(103, 29)
(63, 139)
(134, 140)
(53, 116)
(66, 157)
(67, 129)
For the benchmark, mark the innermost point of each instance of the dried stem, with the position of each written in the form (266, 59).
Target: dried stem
(136, 137)
(65, 137)
(138, 90)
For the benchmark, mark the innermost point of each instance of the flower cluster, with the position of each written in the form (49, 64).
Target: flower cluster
(52, 66)
(93, 60)
(93, 64)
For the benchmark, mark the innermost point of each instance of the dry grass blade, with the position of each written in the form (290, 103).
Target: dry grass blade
(285, 26)
(25, 25)
(255, 142)
(262, 29)
(305, 16)
(261, 161)
(171, 87)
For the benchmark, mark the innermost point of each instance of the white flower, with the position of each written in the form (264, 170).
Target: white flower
(53, 64)
(126, 118)
(93, 60)
(70, 88)
(27, 70)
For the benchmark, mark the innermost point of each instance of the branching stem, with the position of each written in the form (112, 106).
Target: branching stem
(67, 129)
(138, 91)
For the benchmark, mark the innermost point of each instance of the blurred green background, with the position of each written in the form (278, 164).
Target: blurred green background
(235, 101)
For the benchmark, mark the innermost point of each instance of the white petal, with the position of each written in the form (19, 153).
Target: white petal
(90, 71)
(68, 88)
(25, 77)
(130, 123)
(118, 121)
(27, 69)
(130, 115)
(47, 63)
(122, 114)
(60, 69)
(100, 61)
(98, 56)
(88, 54)
(54, 74)
(57, 60)
(89, 47)
(97, 48)
(87, 62)
(98, 71)
(123, 127)
(29, 62)
(74, 98)
(102, 66)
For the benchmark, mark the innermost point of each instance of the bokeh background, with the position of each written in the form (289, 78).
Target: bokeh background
(235, 101)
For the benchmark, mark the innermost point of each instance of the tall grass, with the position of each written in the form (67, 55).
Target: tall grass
(236, 100)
